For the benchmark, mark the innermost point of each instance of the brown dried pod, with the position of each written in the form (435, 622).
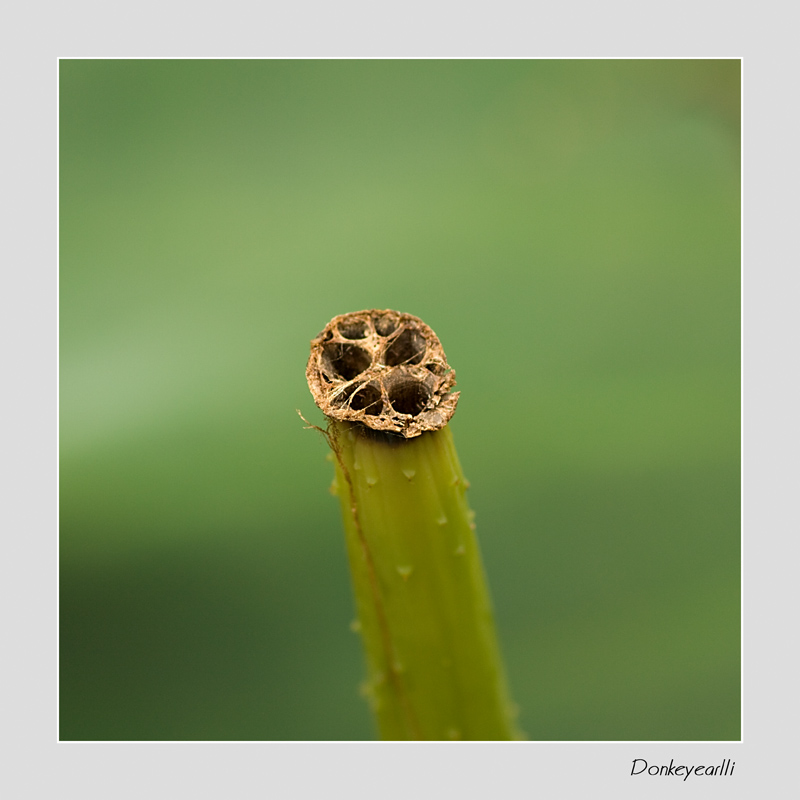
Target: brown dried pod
(384, 369)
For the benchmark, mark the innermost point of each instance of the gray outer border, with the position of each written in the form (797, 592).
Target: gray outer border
(39, 766)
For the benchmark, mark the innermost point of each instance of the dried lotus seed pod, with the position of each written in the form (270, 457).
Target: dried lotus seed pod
(384, 369)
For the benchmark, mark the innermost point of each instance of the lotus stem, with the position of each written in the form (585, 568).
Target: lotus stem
(433, 665)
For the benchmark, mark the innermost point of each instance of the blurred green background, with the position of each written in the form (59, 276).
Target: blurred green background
(570, 229)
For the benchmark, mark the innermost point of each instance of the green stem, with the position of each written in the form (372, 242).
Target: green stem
(434, 670)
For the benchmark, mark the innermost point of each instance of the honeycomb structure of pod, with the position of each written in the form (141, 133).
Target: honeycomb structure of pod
(384, 369)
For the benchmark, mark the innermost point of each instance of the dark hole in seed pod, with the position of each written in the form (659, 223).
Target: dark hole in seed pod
(344, 360)
(384, 325)
(368, 399)
(436, 369)
(407, 348)
(409, 396)
(342, 397)
(353, 330)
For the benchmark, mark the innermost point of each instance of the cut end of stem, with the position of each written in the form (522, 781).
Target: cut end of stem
(383, 369)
